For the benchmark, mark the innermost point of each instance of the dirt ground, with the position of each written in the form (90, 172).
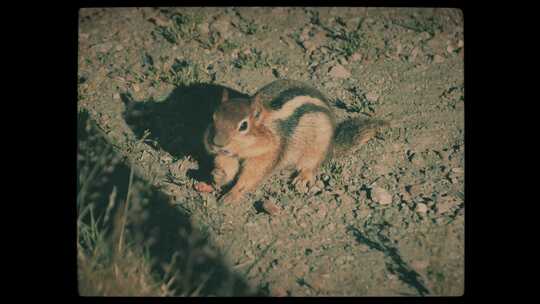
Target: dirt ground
(387, 220)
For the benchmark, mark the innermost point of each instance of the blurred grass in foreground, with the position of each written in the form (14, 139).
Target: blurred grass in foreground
(130, 240)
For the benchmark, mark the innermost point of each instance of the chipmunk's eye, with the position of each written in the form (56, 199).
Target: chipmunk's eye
(243, 126)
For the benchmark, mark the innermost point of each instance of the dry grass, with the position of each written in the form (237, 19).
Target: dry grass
(132, 242)
(106, 268)
(128, 275)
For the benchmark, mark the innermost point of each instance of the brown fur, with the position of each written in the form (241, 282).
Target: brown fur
(254, 154)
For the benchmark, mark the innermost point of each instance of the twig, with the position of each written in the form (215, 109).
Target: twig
(124, 219)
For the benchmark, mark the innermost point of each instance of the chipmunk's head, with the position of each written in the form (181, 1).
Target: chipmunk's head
(235, 126)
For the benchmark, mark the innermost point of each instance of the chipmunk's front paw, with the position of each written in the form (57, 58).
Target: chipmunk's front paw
(303, 181)
(231, 197)
(218, 177)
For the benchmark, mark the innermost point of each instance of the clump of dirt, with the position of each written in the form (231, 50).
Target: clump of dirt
(385, 220)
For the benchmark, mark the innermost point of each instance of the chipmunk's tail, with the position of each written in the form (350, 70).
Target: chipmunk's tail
(355, 132)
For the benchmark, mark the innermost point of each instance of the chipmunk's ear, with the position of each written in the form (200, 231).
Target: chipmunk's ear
(225, 96)
(256, 107)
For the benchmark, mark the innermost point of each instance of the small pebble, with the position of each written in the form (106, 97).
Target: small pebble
(363, 213)
(457, 170)
(421, 208)
(438, 59)
(338, 71)
(363, 247)
(271, 207)
(203, 187)
(316, 189)
(372, 96)
(447, 203)
(204, 28)
(380, 195)
(347, 199)
(356, 57)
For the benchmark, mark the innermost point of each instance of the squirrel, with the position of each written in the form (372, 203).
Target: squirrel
(285, 124)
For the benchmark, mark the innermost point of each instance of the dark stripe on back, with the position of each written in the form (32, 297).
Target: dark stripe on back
(289, 94)
(287, 126)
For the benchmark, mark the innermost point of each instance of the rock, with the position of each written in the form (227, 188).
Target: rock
(363, 213)
(347, 200)
(363, 247)
(356, 56)
(424, 35)
(421, 208)
(338, 71)
(438, 59)
(372, 96)
(315, 189)
(380, 195)
(119, 47)
(446, 203)
(203, 187)
(457, 170)
(271, 207)
(204, 28)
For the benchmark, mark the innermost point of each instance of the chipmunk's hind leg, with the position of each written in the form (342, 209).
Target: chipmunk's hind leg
(304, 180)
(317, 127)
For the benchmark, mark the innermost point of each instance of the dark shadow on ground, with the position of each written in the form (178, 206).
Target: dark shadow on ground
(395, 264)
(174, 244)
(155, 225)
(177, 124)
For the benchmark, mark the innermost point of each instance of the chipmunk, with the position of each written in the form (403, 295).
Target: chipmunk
(285, 124)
